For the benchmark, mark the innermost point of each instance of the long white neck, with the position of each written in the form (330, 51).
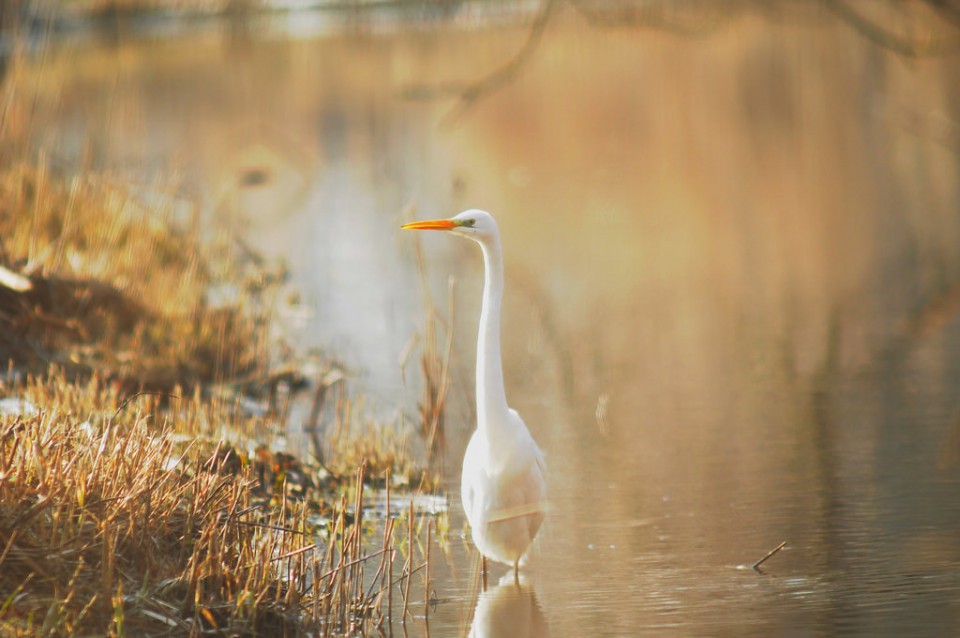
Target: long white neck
(491, 398)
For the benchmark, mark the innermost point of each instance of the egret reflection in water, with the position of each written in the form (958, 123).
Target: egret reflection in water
(509, 609)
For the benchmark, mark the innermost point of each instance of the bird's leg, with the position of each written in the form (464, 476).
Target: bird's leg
(483, 571)
(516, 572)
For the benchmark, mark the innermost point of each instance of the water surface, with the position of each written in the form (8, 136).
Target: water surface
(732, 264)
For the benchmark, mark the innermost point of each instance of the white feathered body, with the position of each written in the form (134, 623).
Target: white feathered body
(504, 490)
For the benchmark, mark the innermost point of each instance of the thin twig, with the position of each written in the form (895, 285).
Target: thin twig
(426, 580)
(769, 555)
(890, 40)
(409, 568)
(142, 393)
(388, 544)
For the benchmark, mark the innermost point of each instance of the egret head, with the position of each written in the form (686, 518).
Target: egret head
(473, 224)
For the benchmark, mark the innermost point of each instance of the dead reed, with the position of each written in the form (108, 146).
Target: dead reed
(354, 437)
(135, 499)
(110, 524)
(98, 280)
(434, 364)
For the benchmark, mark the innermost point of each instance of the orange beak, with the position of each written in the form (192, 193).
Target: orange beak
(432, 224)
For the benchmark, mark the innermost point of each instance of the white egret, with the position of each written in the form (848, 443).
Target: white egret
(503, 485)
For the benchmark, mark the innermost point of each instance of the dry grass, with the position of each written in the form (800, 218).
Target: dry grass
(112, 524)
(384, 447)
(108, 528)
(115, 286)
(133, 499)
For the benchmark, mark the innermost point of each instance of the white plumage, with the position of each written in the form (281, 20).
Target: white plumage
(503, 485)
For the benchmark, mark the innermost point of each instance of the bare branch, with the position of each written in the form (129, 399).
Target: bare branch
(473, 92)
(889, 40)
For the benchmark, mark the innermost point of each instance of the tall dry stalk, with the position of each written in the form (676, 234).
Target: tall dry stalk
(434, 366)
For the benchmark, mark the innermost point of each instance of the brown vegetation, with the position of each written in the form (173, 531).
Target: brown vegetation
(111, 285)
(110, 523)
(136, 497)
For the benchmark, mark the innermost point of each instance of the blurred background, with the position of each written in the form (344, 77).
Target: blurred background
(732, 241)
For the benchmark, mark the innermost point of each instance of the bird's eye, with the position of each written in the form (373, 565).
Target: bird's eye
(469, 223)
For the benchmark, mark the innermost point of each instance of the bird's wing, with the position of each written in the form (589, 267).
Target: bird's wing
(538, 453)
(472, 466)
